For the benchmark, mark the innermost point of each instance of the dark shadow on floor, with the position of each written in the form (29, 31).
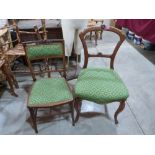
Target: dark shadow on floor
(148, 54)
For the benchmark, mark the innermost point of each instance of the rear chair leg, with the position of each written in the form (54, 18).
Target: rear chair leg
(78, 104)
(33, 113)
(8, 77)
(72, 112)
(120, 109)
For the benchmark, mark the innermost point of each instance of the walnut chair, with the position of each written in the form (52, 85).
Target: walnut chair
(99, 85)
(47, 92)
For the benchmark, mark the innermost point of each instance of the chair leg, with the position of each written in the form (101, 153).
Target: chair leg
(120, 109)
(14, 81)
(106, 111)
(12, 77)
(33, 113)
(72, 112)
(78, 104)
(90, 36)
(8, 77)
(96, 37)
(101, 35)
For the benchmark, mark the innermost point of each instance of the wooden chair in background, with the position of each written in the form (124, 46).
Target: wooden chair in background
(6, 70)
(93, 23)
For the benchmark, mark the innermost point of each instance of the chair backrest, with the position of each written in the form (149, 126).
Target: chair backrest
(24, 35)
(51, 29)
(45, 50)
(103, 28)
(5, 40)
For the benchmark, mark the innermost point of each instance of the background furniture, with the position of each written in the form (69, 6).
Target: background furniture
(6, 70)
(141, 27)
(5, 60)
(52, 28)
(15, 48)
(100, 85)
(95, 22)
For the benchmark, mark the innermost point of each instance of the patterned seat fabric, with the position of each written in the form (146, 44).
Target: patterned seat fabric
(49, 92)
(44, 50)
(100, 85)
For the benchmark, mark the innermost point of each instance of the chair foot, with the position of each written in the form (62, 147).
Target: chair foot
(13, 93)
(16, 84)
(14, 81)
(78, 104)
(72, 113)
(120, 109)
(33, 113)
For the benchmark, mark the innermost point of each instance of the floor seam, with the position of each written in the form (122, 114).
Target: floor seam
(136, 118)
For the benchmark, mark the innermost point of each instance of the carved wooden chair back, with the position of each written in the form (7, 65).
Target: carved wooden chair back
(110, 56)
(45, 50)
(47, 92)
(23, 35)
(100, 85)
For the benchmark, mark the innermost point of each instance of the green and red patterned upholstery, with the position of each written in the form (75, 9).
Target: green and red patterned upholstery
(100, 86)
(36, 51)
(48, 92)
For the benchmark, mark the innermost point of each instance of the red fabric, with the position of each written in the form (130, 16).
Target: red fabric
(142, 27)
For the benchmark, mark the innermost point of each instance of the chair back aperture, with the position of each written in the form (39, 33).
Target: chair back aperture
(103, 28)
(45, 50)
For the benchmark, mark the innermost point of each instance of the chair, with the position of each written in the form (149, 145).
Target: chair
(5, 61)
(6, 70)
(47, 92)
(15, 47)
(92, 23)
(100, 85)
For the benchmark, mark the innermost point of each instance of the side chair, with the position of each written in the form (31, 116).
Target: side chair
(100, 85)
(52, 91)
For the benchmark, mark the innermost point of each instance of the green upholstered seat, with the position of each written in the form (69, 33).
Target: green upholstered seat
(100, 85)
(49, 92)
(45, 50)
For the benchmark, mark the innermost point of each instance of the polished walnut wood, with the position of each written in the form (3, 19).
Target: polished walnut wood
(78, 101)
(33, 109)
(110, 56)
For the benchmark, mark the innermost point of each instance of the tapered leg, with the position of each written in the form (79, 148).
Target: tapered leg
(14, 81)
(78, 104)
(8, 77)
(106, 110)
(96, 37)
(12, 76)
(101, 35)
(120, 109)
(33, 113)
(72, 112)
(90, 35)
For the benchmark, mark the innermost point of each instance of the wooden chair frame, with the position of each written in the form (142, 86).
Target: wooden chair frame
(78, 101)
(18, 50)
(6, 69)
(33, 110)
